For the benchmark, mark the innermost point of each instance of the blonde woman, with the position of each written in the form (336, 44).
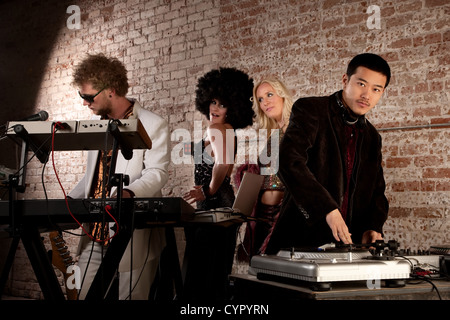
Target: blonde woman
(272, 104)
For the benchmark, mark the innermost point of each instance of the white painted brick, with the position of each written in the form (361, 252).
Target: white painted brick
(168, 45)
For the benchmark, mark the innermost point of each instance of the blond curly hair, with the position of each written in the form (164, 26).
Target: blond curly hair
(102, 72)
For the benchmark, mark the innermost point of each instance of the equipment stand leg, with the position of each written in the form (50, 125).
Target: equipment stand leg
(41, 264)
(8, 263)
(169, 276)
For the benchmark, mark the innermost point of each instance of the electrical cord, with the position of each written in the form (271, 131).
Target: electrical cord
(426, 279)
(143, 267)
(418, 273)
(107, 207)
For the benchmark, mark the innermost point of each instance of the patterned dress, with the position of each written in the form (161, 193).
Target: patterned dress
(258, 232)
(204, 163)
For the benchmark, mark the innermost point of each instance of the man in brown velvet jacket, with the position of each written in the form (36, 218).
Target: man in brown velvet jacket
(330, 163)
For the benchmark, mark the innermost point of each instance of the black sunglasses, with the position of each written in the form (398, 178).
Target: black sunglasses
(90, 97)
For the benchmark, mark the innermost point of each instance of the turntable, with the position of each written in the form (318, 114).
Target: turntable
(320, 267)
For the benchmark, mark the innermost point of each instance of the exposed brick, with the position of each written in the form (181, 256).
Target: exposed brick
(443, 186)
(168, 45)
(397, 162)
(440, 173)
(399, 212)
(427, 212)
(435, 3)
(427, 39)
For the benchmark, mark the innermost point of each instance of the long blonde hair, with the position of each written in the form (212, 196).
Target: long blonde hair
(264, 122)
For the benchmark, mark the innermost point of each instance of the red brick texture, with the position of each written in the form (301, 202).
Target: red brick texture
(167, 45)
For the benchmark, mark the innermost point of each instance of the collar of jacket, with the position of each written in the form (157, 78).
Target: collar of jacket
(347, 118)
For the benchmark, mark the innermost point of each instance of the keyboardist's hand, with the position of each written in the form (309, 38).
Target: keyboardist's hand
(127, 194)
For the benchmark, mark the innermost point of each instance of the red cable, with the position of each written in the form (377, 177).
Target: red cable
(107, 207)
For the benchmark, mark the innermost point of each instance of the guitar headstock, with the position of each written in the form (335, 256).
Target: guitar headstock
(61, 257)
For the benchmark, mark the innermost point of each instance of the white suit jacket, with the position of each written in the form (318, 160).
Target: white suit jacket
(148, 172)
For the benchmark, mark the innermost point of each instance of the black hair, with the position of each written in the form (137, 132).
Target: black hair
(233, 88)
(370, 61)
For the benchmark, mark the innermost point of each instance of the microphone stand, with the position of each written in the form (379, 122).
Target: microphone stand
(28, 233)
(103, 280)
(21, 132)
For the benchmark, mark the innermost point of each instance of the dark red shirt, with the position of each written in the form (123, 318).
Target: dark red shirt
(351, 134)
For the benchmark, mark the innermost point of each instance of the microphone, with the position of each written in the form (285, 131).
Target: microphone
(40, 116)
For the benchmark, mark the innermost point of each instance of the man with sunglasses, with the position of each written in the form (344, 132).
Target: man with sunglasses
(102, 84)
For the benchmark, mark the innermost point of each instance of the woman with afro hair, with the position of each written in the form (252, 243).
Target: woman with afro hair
(223, 96)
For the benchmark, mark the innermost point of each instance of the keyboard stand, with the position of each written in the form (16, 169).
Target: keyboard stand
(42, 267)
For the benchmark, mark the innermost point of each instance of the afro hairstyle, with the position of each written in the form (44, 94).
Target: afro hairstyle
(233, 88)
(102, 72)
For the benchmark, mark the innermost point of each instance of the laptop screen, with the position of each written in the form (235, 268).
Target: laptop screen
(248, 193)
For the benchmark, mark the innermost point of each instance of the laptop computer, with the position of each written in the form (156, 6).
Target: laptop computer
(246, 197)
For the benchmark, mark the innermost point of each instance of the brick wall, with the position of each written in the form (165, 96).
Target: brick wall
(309, 43)
(167, 45)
